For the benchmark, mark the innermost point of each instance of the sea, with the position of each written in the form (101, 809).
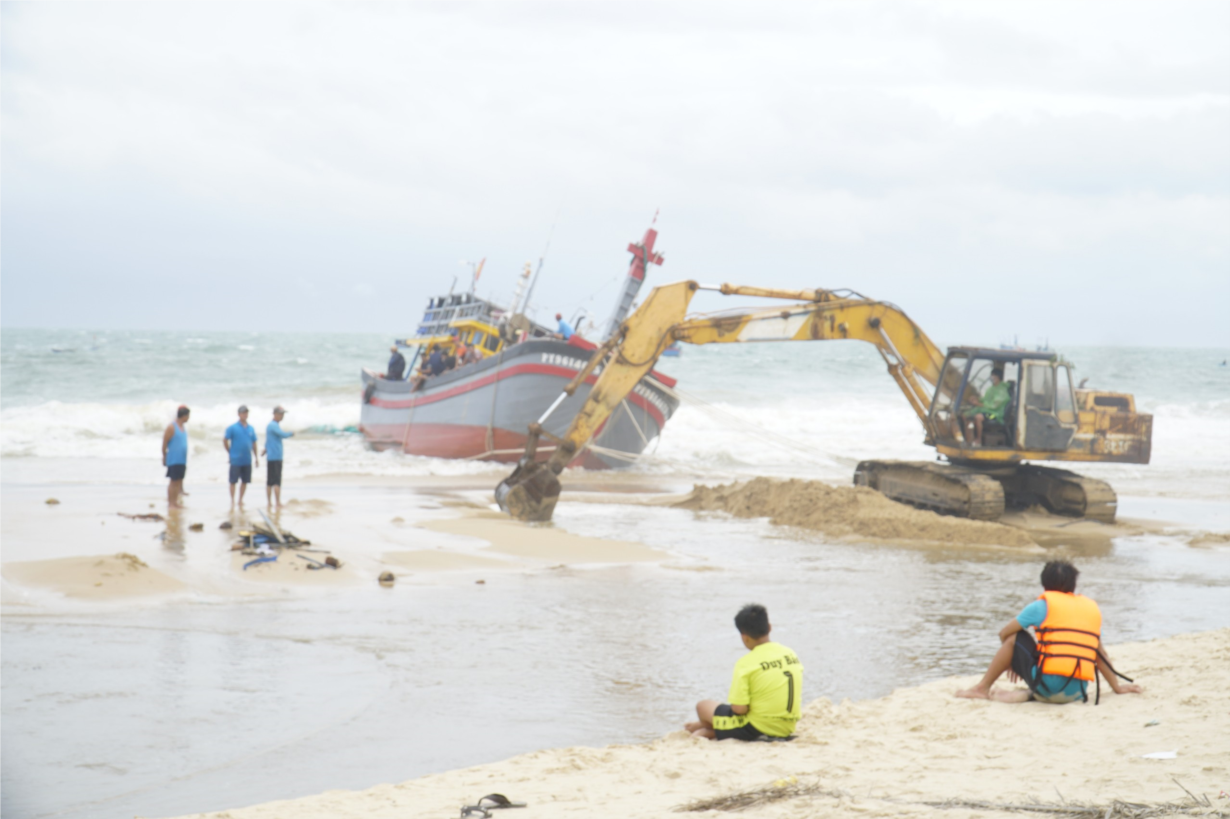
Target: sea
(214, 702)
(787, 410)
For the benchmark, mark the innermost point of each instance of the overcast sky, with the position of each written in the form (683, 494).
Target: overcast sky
(1052, 171)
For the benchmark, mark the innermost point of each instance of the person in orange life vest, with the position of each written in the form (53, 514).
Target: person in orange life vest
(1067, 654)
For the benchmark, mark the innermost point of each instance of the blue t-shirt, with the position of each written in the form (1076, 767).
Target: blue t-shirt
(273, 440)
(435, 363)
(242, 438)
(177, 449)
(565, 329)
(1033, 616)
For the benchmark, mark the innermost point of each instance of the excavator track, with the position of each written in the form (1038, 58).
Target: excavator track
(1062, 492)
(949, 490)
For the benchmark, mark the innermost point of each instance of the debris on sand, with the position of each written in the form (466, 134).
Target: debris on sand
(52, 502)
(134, 563)
(847, 511)
(226, 524)
(196, 527)
(386, 579)
(151, 516)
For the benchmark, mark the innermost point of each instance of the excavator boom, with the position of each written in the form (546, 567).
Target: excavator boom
(943, 390)
(532, 490)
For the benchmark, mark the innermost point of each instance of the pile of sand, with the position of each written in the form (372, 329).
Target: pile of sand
(847, 511)
(99, 576)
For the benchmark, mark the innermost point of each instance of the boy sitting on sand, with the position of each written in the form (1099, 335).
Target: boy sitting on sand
(765, 691)
(1067, 654)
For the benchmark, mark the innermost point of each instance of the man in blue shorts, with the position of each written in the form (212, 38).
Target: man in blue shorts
(766, 690)
(274, 435)
(1066, 656)
(240, 443)
(175, 455)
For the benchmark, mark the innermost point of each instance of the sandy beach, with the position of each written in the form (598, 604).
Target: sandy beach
(479, 593)
(900, 755)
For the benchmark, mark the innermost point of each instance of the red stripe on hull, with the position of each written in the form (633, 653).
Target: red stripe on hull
(456, 441)
(517, 369)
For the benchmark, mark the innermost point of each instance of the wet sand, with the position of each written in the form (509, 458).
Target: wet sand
(584, 590)
(900, 755)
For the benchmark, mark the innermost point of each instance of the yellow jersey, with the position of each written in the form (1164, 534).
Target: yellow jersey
(769, 680)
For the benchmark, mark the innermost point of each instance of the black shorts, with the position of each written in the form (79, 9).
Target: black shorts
(1025, 659)
(241, 473)
(746, 732)
(273, 473)
(176, 471)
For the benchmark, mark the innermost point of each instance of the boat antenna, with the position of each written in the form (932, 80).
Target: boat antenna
(542, 258)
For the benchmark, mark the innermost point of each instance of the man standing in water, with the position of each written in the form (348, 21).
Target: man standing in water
(766, 690)
(175, 455)
(240, 443)
(273, 456)
(1067, 654)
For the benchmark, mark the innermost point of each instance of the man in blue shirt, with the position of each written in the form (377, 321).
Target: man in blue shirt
(175, 455)
(240, 443)
(1069, 638)
(273, 456)
(565, 329)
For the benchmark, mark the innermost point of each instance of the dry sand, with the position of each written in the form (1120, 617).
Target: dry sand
(884, 757)
(848, 511)
(95, 576)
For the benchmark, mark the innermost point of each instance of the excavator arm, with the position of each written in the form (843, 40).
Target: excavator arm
(531, 491)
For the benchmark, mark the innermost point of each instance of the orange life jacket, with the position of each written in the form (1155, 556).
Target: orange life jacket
(1068, 637)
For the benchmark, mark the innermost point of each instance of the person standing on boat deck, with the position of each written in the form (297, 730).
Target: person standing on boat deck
(240, 443)
(175, 455)
(397, 365)
(435, 361)
(274, 435)
(565, 329)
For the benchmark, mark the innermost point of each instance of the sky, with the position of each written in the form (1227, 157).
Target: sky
(1053, 171)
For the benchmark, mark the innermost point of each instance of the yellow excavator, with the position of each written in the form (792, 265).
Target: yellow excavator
(1042, 419)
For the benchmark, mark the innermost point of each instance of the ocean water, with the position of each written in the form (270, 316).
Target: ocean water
(213, 701)
(799, 410)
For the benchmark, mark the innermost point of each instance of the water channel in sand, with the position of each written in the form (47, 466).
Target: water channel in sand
(207, 702)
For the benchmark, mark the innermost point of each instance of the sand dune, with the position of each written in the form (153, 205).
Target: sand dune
(885, 757)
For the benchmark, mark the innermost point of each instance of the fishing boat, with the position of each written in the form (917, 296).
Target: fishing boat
(482, 410)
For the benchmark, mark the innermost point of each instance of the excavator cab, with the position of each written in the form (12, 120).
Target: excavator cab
(1040, 414)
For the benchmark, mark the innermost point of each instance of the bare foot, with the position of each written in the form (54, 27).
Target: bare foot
(1015, 695)
(974, 693)
(693, 726)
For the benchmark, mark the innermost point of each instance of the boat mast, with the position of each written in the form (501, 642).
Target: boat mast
(642, 257)
(525, 277)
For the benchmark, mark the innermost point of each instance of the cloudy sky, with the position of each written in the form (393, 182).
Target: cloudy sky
(1046, 170)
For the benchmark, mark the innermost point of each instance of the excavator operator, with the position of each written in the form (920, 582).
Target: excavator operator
(989, 408)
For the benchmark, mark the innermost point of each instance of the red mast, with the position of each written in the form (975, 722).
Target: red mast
(643, 255)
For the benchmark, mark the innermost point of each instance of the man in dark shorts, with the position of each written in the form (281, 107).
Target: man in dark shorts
(240, 443)
(1066, 656)
(175, 455)
(766, 689)
(397, 365)
(274, 435)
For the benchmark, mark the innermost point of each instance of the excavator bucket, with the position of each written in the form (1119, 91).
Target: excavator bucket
(529, 493)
